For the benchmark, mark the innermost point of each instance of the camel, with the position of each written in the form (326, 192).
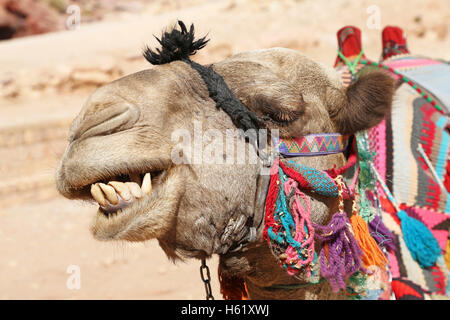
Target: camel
(120, 153)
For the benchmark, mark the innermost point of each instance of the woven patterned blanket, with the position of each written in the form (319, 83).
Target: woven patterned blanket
(413, 122)
(413, 129)
(432, 75)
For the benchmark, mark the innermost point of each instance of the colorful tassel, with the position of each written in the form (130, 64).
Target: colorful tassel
(343, 251)
(271, 198)
(232, 287)
(447, 255)
(340, 255)
(288, 227)
(372, 255)
(303, 255)
(420, 241)
(381, 234)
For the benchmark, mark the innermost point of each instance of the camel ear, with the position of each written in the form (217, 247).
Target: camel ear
(366, 102)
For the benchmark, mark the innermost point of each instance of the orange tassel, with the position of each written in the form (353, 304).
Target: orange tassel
(232, 287)
(447, 254)
(372, 255)
(245, 293)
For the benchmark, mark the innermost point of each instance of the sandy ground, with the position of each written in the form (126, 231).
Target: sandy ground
(44, 81)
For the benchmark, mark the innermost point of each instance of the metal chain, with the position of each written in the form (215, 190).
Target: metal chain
(206, 280)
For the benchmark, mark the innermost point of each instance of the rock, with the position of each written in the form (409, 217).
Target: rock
(84, 77)
(19, 18)
(8, 24)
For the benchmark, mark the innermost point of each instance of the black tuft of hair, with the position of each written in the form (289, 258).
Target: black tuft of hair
(180, 45)
(175, 45)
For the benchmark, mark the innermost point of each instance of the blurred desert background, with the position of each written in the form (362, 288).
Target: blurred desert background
(49, 64)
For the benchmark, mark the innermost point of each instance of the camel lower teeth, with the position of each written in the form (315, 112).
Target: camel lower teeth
(98, 195)
(116, 195)
(110, 193)
(134, 189)
(122, 189)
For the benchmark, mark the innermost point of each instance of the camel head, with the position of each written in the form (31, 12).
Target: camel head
(123, 147)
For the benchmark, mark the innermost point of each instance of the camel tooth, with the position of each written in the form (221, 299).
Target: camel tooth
(97, 194)
(134, 189)
(110, 193)
(147, 184)
(122, 189)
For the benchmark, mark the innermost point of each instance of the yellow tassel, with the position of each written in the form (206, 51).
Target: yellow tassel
(372, 255)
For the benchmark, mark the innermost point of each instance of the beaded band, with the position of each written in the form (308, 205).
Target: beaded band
(312, 145)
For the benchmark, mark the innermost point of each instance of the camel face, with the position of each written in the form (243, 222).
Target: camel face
(120, 154)
(121, 146)
(119, 136)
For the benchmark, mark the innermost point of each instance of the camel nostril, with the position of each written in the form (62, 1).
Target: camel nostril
(114, 118)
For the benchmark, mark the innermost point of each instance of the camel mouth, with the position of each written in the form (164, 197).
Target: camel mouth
(116, 194)
(134, 203)
(141, 207)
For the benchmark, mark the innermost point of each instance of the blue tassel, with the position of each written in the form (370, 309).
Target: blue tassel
(420, 241)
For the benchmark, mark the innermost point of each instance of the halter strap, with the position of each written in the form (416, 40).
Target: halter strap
(351, 64)
(312, 145)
